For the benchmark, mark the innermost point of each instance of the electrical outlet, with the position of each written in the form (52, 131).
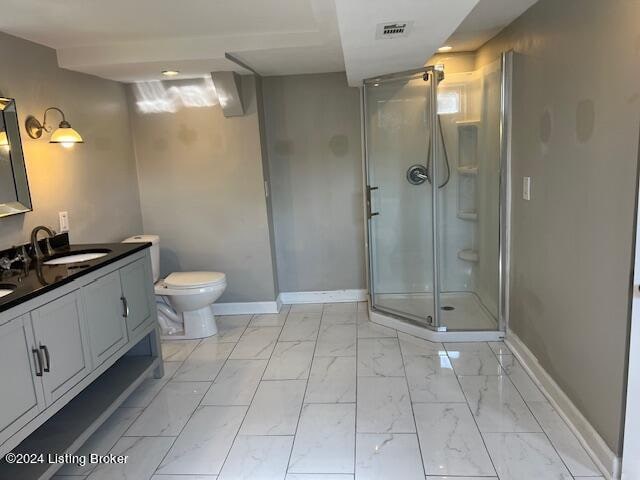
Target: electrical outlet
(64, 221)
(526, 188)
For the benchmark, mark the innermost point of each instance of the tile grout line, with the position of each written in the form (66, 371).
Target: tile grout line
(413, 414)
(200, 402)
(313, 355)
(552, 408)
(532, 414)
(475, 421)
(235, 437)
(223, 364)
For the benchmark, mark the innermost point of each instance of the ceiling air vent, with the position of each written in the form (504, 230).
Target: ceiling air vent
(392, 30)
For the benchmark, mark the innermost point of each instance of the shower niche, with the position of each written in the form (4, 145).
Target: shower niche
(467, 170)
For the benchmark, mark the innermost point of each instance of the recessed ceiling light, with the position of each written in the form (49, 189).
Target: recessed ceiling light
(170, 73)
(445, 48)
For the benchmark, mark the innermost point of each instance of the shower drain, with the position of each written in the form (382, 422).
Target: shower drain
(448, 308)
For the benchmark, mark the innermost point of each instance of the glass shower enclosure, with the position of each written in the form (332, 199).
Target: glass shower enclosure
(437, 180)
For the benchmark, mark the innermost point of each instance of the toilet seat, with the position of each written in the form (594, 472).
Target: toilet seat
(161, 289)
(188, 280)
(190, 283)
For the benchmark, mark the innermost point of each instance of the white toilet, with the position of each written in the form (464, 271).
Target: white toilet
(183, 299)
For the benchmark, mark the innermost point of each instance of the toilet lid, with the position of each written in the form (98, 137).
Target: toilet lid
(194, 279)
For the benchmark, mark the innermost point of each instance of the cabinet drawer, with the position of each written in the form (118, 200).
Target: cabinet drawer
(105, 315)
(60, 332)
(22, 396)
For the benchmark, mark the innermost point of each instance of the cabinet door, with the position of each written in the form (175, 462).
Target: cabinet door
(60, 333)
(105, 314)
(137, 288)
(22, 397)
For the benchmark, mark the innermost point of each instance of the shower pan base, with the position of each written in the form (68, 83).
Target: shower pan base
(458, 310)
(463, 314)
(422, 331)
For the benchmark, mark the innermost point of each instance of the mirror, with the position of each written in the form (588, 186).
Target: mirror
(14, 187)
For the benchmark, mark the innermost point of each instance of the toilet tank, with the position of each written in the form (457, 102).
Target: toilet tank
(154, 240)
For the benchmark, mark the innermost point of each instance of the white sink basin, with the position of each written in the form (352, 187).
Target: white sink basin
(75, 258)
(5, 291)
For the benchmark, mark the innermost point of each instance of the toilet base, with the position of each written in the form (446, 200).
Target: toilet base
(197, 324)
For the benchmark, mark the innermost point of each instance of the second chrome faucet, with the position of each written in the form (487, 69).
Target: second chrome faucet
(35, 246)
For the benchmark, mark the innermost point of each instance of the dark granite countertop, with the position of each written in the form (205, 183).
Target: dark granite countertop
(40, 278)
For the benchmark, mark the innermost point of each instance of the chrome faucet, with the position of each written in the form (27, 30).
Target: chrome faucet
(21, 256)
(35, 246)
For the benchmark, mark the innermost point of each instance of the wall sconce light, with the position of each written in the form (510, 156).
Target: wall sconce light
(64, 134)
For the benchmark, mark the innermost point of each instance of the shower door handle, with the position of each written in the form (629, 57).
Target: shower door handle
(370, 214)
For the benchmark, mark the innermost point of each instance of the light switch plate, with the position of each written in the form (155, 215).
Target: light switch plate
(64, 221)
(526, 188)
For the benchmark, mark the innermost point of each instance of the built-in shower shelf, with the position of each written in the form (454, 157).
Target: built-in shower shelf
(468, 255)
(468, 170)
(471, 216)
(468, 123)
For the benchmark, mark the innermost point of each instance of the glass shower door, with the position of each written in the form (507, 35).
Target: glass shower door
(397, 110)
(437, 254)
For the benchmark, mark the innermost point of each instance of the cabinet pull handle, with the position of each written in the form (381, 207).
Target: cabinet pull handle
(125, 314)
(47, 366)
(38, 356)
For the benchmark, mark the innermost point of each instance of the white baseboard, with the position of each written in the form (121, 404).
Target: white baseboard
(246, 308)
(605, 459)
(329, 296)
(286, 298)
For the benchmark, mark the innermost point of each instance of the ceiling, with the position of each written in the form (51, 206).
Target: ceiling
(485, 21)
(429, 22)
(135, 40)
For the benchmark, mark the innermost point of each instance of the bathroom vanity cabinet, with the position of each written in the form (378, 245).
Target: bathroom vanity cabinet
(89, 342)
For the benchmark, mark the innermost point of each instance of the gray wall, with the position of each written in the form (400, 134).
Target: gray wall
(315, 163)
(575, 132)
(202, 190)
(95, 182)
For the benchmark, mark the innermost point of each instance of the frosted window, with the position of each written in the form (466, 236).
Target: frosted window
(448, 102)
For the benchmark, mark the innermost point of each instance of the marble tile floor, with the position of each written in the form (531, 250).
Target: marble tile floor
(317, 392)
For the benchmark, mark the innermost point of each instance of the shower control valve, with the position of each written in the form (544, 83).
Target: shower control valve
(417, 174)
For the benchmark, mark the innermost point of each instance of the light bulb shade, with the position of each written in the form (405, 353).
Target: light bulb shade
(65, 135)
(4, 140)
